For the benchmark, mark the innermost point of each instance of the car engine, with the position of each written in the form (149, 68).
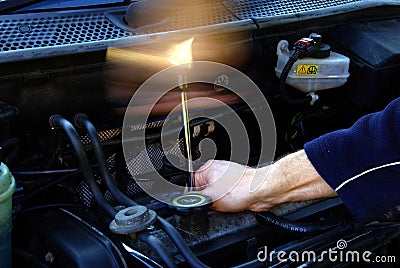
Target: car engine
(75, 83)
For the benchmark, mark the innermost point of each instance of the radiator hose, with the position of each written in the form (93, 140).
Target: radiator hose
(82, 121)
(57, 121)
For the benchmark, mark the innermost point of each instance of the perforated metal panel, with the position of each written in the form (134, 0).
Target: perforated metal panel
(136, 165)
(226, 11)
(24, 32)
(46, 34)
(85, 194)
(262, 9)
(149, 125)
(104, 135)
(202, 15)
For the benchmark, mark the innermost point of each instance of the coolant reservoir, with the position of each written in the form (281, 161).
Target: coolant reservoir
(7, 187)
(313, 74)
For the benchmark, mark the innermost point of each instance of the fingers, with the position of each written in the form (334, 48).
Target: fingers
(201, 175)
(209, 193)
(199, 187)
(217, 179)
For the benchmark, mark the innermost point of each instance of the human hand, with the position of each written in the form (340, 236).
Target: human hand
(292, 178)
(227, 183)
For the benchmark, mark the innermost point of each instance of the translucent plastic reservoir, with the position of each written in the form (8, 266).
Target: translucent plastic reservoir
(7, 187)
(311, 74)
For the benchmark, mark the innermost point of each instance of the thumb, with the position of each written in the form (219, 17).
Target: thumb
(204, 192)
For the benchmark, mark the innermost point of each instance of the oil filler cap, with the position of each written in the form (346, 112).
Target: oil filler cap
(190, 204)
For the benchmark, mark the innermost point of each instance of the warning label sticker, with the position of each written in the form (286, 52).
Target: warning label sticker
(307, 70)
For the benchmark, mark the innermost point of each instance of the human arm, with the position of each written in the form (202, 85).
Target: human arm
(371, 146)
(292, 178)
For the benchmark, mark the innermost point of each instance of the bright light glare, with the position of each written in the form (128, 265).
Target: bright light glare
(182, 53)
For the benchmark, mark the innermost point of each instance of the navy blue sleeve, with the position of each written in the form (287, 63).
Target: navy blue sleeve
(373, 141)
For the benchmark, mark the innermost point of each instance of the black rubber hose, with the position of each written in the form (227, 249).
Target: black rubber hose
(180, 244)
(82, 121)
(57, 121)
(159, 247)
(46, 172)
(13, 148)
(146, 261)
(282, 82)
(43, 187)
(296, 227)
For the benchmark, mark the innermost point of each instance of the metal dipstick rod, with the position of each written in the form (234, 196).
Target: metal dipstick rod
(186, 126)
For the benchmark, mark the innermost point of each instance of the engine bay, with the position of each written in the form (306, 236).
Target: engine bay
(62, 110)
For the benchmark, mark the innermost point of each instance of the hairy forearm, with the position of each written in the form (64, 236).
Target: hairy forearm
(291, 179)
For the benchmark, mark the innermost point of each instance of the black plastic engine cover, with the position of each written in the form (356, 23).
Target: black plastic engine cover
(374, 52)
(58, 239)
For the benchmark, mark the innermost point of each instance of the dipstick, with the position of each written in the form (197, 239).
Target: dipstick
(186, 126)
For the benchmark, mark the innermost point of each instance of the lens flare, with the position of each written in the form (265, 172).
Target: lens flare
(181, 53)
